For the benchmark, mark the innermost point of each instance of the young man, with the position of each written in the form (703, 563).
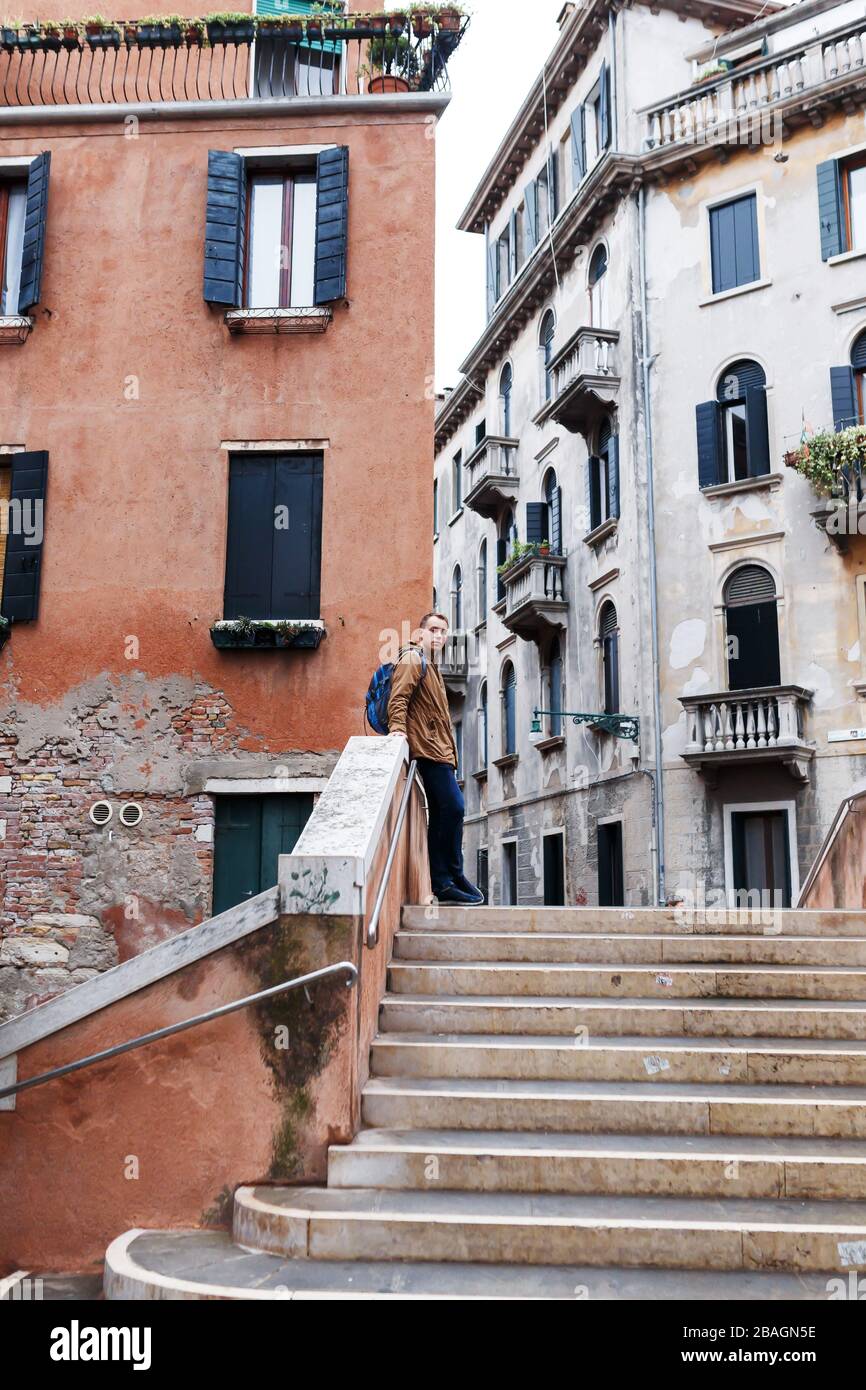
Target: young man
(418, 708)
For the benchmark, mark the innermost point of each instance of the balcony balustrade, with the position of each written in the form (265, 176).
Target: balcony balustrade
(585, 380)
(535, 602)
(491, 476)
(736, 727)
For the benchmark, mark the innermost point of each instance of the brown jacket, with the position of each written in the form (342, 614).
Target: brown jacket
(418, 708)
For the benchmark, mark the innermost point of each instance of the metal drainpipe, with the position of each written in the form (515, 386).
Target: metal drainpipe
(614, 122)
(646, 363)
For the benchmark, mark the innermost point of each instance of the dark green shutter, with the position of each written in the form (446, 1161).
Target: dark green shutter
(537, 522)
(250, 544)
(296, 583)
(707, 420)
(604, 107)
(33, 253)
(332, 224)
(578, 145)
(225, 228)
(830, 214)
(530, 203)
(593, 491)
(23, 566)
(273, 569)
(843, 397)
(613, 476)
(757, 431)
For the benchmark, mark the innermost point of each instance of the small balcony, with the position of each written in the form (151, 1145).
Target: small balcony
(833, 460)
(738, 727)
(535, 604)
(585, 380)
(491, 476)
(454, 663)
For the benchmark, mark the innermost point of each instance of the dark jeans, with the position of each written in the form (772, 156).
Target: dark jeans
(445, 829)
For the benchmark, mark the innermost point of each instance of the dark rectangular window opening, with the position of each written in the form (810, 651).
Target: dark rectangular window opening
(611, 890)
(273, 553)
(509, 873)
(481, 873)
(761, 856)
(554, 870)
(281, 239)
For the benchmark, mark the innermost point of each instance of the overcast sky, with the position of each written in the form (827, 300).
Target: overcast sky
(496, 64)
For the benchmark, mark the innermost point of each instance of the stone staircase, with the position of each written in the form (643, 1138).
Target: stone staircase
(569, 1103)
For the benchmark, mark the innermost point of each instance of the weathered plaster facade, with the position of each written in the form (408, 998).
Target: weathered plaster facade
(646, 199)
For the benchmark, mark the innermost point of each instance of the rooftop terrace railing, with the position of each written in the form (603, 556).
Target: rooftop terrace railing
(204, 60)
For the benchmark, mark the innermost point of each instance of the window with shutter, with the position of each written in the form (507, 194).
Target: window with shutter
(509, 709)
(225, 228)
(553, 498)
(537, 524)
(597, 283)
(273, 559)
(530, 218)
(742, 430)
(608, 632)
(33, 243)
(578, 147)
(734, 243)
(482, 726)
(752, 628)
(457, 599)
(842, 205)
(13, 203)
(858, 372)
(555, 694)
(506, 382)
(22, 491)
(545, 338)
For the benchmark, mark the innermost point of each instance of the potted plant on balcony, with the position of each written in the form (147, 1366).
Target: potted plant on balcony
(832, 459)
(228, 26)
(422, 22)
(450, 17)
(397, 21)
(709, 74)
(50, 33)
(544, 547)
(71, 38)
(100, 32)
(391, 64)
(288, 27)
(193, 33)
(30, 39)
(161, 31)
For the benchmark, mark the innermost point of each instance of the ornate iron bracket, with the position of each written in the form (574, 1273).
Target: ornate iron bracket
(620, 725)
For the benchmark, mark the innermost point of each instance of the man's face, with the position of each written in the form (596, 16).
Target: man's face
(434, 634)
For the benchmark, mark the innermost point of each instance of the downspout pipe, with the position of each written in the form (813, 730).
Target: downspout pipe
(646, 365)
(614, 121)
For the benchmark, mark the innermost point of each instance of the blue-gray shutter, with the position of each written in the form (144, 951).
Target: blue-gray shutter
(492, 257)
(332, 224)
(556, 522)
(250, 544)
(225, 229)
(613, 476)
(552, 186)
(512, 245)
(537, 522)
(33, 252)
(604, 107)
(593, 491)
(843, 397)
(707, 420)
(757, 431)
(578, 145)
(530, 204)
(296, 582)
(830, 215)
(22, 569)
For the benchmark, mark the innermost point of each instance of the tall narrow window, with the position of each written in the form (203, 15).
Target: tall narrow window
(504, 542)
(608, 632)
(280, 269)
(509, 710)
(506, 382)
(752, 629)
(603, 478)
(734, 243)
(545, 339)
(554, 870)
(457, 600)
(598, 288)
(503, 263)
(858, 366)
(482, 582)
(435, 506)
(482, 726)
(554, 688)
(509, 873)
(274, 547)
(457, 480)
(13, 202)
(854, 189)
(481, 872)
(611, 888)
(553, 498)
(458, 741)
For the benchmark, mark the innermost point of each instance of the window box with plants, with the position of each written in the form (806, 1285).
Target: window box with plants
(289, 28)
(833, 461)
(101, 33)
(449, 17)
(50, 35)
(244, 634)
(160, 31)
(228, 26)
(28, 39)
(710, 74)
(524, 550)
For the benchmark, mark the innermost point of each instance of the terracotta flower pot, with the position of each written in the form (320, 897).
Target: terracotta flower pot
(386, 82)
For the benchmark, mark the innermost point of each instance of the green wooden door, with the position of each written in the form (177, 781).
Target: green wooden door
(251, 833)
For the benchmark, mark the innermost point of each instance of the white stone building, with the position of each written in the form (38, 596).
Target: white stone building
(675, 225)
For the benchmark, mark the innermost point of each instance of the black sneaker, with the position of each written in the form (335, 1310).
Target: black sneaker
(466, 886)
(450, 893)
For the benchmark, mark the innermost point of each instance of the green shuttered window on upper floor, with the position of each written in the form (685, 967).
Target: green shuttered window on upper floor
(734, 243)
(842, 205)
(23, 486)
(274, 544)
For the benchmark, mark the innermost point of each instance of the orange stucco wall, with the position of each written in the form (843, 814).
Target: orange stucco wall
(136, 512)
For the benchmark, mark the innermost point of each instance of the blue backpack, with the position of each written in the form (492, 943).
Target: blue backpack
(379, 693)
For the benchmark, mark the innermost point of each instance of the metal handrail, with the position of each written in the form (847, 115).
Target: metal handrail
(373, 925)
(301, 981)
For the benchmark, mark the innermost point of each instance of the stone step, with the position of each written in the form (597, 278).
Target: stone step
(709, 1060)
(632, 920)
(613, 950)
(621, 1164)
(614, 1107)
(616, 982)
(673, 1233)
(594, 1017)
(199, 1265)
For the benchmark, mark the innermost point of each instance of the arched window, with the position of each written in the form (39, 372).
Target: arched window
(545, 339)
(741, 394)
(603, 477)
(608, 635)
(482, 726)
(456, 599)
(598, 287)
(858, 366)
(752, 629)
(457, 481)
(482, 582)
(554, 687)
(505, 540)
(553, 499)
(506, 382)
(508, 694)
